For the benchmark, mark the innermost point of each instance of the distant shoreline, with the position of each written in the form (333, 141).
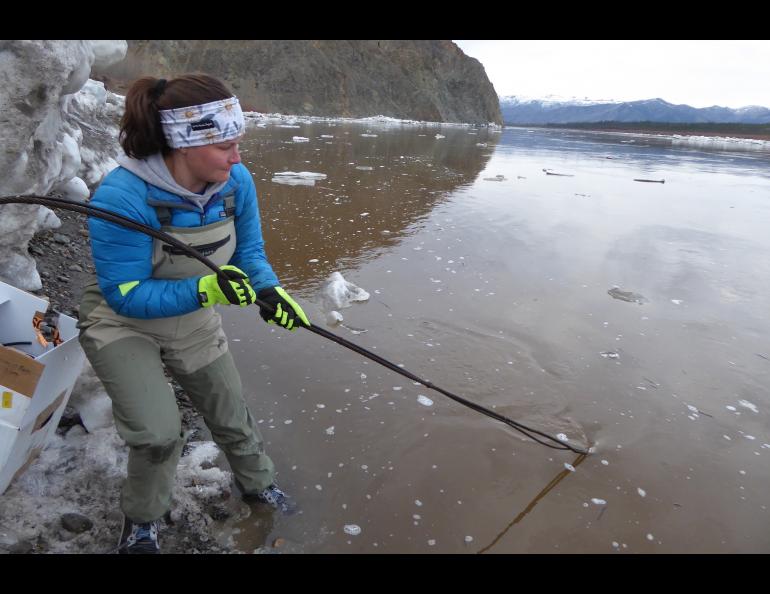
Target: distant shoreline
(747, 131)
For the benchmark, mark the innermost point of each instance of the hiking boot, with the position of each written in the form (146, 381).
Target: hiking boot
(140, 538)
(273, 497)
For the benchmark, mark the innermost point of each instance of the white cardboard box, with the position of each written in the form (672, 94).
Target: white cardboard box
(33, 389)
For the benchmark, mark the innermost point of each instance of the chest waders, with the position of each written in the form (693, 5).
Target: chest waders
(128, 355)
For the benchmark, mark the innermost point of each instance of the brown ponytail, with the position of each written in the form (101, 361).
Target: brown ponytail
(141, 134)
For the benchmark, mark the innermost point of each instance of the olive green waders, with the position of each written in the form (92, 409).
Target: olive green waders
(128, 355)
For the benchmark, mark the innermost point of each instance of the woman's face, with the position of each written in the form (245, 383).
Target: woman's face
(211, 163)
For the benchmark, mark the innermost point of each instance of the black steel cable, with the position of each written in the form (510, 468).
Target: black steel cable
(112, 217)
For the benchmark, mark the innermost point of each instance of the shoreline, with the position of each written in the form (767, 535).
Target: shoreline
(655, 132)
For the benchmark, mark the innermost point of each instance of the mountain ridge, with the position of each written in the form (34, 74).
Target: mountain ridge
(557, 110)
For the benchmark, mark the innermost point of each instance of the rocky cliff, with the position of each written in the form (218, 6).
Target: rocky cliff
(431, 80)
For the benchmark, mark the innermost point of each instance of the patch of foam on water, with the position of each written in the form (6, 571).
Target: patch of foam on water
(424, 400)
(749, 405)
(562, 437)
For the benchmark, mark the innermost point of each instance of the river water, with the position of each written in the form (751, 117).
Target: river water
(490, 278)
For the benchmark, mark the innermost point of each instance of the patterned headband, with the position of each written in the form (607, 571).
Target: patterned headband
(197, 125)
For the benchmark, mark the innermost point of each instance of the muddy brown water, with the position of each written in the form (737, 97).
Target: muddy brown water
(491, 279)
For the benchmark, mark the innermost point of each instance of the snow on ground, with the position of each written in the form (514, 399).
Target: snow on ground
(82, 473)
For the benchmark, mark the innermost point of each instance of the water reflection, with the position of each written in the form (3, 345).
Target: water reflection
(647, 152)
(380, 182)
(498, 291)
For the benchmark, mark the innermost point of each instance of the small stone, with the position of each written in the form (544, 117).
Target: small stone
(59, 238)
(76, 523)
(279, 542)
(76, 268)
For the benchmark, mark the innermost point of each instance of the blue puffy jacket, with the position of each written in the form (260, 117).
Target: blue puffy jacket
(123, 255)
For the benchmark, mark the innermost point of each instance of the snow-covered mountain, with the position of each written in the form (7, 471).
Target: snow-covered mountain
(517, 109)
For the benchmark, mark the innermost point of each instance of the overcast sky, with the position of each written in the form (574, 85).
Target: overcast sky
(698, 73)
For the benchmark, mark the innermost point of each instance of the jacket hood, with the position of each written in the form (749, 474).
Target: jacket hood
(153, 170)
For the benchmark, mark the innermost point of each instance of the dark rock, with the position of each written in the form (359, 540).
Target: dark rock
(219, 512)
(22, 547)
(69, 418)
(76, 523)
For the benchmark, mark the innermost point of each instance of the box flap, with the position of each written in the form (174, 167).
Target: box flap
(48, 411)
(18, 371)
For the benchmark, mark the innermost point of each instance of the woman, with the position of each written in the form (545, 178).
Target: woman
(152, 304)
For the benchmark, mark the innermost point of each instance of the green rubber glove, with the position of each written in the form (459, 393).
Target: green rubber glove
(286, 309)
(212, 290)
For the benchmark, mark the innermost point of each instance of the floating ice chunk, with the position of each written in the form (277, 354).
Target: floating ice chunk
(749, 405)
(562, 437)
(439, 136)
(418, 503)
(364, 167)
(569, 467)
(692, 408)
(337, 293)
(333, 318)
(468, 539)
(642, 492)
(676, 301)
(288, 422)
(352, 529)
(610, 355)
(650, 537)
(424, 400)
(605, 463)
(629, 296)
(287, 126)
(727, 437)
(300, 139)
(330, 430)
(369, 135)
(327, 136)
(596, 501)
(728, 407)
(300, 178)
(432, 542)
